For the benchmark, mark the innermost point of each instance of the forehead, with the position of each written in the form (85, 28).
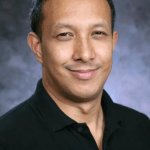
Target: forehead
(73, 11)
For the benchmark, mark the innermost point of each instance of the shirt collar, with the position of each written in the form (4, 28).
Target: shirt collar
(49, 110)
(111, 113)
(57, 119)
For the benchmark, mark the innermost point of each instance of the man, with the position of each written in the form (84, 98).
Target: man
(74, 41)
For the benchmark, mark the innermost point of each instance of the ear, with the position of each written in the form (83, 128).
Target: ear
(35, 45)
(115, 39)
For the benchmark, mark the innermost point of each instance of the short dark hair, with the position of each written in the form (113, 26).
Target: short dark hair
(36, 16)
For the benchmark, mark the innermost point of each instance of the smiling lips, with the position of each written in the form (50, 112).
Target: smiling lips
(84, 74)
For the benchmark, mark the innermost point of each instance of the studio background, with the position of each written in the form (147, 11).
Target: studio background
(129, 81)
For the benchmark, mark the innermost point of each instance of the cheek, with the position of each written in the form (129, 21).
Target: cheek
(105, 53)
(58, 54)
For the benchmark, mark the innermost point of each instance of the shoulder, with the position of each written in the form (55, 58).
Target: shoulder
(16, 123)
(133, 117)
(3, 145)
(129, 112)
(24, 124)
(15, 115)
(24, 115)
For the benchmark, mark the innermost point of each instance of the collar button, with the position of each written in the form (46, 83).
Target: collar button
(80, 129)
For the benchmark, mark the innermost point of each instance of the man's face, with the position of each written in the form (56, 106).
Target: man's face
(77, 47)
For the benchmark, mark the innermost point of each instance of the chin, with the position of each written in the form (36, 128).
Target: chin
(85, 95)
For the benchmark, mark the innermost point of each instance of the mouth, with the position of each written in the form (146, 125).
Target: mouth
(84, 74)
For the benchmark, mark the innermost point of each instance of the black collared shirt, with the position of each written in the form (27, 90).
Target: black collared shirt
(39, 124)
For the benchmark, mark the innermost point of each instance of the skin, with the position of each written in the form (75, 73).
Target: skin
(76, 35)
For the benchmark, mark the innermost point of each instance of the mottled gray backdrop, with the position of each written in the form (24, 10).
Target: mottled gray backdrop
(129, 82)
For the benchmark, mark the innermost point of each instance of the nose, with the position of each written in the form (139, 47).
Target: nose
(83, 50)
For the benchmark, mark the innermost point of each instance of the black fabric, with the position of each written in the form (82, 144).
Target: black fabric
(39, 124)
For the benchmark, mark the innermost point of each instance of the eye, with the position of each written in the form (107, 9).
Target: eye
(64, 36)
(99, 33)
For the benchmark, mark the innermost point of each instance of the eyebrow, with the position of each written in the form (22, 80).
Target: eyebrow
(62, 26)
(99, 25)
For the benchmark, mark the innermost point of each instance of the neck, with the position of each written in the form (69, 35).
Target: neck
(85, 112)
(89, 112)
